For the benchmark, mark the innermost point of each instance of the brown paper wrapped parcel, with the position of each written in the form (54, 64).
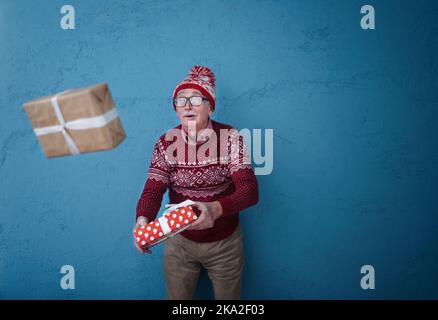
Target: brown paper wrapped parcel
(76, 121)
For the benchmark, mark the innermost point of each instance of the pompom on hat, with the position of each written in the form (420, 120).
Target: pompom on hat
(202, 79)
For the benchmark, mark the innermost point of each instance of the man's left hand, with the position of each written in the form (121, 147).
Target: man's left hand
(210, 211)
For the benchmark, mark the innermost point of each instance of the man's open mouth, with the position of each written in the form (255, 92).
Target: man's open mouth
(190, 116)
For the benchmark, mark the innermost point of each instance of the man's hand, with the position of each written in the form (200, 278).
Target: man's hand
(210, 211)
(141, 221)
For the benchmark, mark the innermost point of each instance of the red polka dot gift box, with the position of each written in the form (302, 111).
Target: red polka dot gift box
(175, 219)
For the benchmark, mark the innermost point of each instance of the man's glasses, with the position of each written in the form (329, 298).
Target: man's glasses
(194, 101)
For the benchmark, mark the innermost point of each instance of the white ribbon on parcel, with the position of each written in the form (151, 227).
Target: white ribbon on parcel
(78, 124)
(163, 220)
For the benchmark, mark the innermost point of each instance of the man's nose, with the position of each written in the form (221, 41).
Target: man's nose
(188, 105)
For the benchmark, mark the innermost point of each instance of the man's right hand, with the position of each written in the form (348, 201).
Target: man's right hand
(141, 221)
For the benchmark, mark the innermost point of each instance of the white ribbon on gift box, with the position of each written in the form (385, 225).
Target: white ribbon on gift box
(163, 220)
(78, 124)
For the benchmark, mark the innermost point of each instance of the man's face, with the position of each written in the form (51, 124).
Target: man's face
(199, 114)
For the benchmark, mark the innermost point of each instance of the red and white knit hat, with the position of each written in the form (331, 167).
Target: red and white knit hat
(202, 79)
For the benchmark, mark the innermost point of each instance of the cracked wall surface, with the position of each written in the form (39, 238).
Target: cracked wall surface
(354, 115)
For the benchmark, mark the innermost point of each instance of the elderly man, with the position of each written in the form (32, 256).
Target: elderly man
(204, 161)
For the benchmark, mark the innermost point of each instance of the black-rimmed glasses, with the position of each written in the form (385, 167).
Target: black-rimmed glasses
(194, 101)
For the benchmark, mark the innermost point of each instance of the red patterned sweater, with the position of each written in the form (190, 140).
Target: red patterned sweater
(196, 172)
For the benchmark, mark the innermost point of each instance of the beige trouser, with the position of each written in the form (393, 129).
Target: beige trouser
(223, 259)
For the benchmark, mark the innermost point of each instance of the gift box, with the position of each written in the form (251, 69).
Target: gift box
(173, 221)
(76, 121)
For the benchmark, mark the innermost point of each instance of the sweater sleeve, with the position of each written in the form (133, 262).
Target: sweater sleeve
(155, 186)
(246, 192)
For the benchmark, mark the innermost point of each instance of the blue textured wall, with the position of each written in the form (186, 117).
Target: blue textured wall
(354, 115)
